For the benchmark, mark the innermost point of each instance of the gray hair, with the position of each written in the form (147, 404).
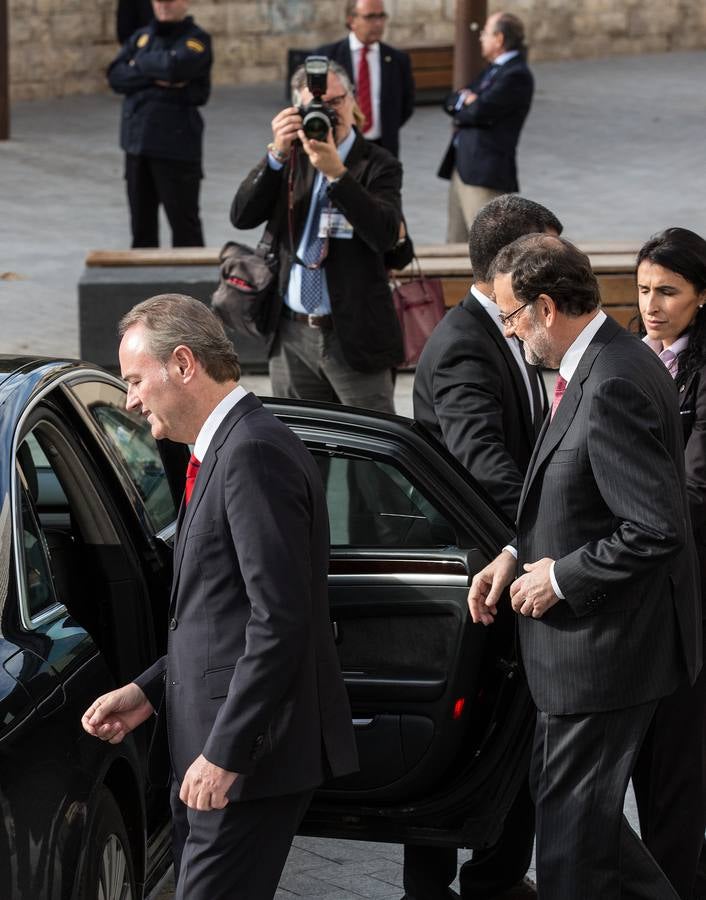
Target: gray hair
(298, 82)
(174, 319)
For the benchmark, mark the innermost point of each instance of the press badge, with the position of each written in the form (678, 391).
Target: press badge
(334, 224)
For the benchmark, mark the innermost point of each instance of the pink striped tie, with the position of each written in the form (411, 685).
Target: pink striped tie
(559, 389)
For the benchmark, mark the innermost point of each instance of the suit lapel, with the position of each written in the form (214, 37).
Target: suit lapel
(187, 511)
(554, 429)
(471, 304)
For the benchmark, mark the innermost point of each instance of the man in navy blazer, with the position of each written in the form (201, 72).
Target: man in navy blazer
(256, 710)
(488, 116)
(390, 71)
(602, 574)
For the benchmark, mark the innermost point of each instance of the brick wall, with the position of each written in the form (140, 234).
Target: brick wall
(62, 47)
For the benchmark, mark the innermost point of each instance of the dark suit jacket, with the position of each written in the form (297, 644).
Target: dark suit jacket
(252, 677)
(692, 408)
(396, 87)
(470, 393)
(368, 195)
(605, 496)
(484, 147)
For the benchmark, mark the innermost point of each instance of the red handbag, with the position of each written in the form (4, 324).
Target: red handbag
(419, 303)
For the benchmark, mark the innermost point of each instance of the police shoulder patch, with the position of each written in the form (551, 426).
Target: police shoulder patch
(142, 40)
(195, 45)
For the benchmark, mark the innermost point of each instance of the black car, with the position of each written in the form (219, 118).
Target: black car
(88, 503)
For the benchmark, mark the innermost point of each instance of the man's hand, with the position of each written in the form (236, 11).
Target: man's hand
(532, 594)
(468, 97)
(285, 128)
(205, 786)
(488, 585)
(323, 155)
(117, 713)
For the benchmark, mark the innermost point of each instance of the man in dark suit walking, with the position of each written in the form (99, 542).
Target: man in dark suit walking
(488, 116)
(382, 75)
(607, 596)
(475, 392)
(256, 709)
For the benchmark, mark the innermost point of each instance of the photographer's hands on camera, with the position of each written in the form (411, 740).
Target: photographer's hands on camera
(323, 155)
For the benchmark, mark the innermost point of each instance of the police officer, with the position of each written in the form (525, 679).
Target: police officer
(164, 72)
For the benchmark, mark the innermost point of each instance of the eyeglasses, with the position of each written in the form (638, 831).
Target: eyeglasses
(505, 320)
(372, 17)
(335, 102)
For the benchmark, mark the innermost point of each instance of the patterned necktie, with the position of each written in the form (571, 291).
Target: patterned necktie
(362, 90)
(669, 358)
(559, 389)
(192, 470)
(312, 279)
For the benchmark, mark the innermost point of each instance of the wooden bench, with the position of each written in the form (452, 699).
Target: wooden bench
(432, 67)
(114, 280)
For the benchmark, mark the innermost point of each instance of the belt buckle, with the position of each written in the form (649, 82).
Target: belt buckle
(310, 321)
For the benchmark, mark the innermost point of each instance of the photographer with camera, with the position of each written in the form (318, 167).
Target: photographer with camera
(332, 201)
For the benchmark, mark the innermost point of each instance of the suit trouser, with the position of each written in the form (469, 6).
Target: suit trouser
(236, 853)
(670, 784)
(175, 184)
(464, 202)
(308, 364)
(428, 871)
(586, 850)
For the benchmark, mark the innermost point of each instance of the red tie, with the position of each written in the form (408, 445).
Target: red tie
(559, 389)
(363, 89)
(192, 470)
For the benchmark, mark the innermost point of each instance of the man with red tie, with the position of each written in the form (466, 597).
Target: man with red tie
(384, 86)
(256, 710)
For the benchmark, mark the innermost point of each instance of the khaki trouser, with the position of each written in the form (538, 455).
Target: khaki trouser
(464, 202)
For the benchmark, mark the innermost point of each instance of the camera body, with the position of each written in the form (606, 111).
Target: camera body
(317, 118)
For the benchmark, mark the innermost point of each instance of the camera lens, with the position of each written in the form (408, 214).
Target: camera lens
(316, 125)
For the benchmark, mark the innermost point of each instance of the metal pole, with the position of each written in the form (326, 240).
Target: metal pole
(4, 75)
(470, 16)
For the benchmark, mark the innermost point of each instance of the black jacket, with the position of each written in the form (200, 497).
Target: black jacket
(396, 87)
(131, 15)
(484, 147)
(252, 677)
(605, 496)
(692, 408)
(368, 195)
(469, 392)
(163, 121)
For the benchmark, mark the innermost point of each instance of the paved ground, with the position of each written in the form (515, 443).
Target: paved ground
(615, 147)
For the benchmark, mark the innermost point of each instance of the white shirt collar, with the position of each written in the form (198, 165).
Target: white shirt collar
(505, 57)
(356, 44)
(212, 423)
(572, 357)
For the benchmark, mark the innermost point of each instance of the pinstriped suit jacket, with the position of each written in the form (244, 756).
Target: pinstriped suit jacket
(605, 496)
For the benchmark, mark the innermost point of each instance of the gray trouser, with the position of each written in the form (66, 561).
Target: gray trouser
(308, 364)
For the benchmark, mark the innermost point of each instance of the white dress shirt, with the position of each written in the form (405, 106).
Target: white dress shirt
(212, 423)
(375, 79)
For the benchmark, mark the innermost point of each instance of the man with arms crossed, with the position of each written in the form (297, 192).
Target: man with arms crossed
(604, 581)
(257, 712)
(475, 393)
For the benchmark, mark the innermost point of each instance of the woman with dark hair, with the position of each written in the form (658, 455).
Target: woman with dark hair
(670, 779)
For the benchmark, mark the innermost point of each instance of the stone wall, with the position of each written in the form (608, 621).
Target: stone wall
(60, 47)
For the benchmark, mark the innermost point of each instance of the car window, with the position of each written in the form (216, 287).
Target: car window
(38, 580)
(374, 504)
(131, 437)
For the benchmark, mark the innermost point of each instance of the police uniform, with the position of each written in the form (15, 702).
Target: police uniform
(164, 72)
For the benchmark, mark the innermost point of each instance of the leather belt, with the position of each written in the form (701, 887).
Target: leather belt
(308, 319)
